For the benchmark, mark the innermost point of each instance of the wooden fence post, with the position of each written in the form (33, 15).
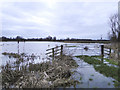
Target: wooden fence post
(53, 53)
(61, 50)
(18, 46)
(109, 52)
(102, 52)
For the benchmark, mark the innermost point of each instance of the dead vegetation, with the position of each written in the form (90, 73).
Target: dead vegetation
(54, 73)
(115, 51)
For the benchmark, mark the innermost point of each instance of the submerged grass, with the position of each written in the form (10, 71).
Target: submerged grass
(14, 55)
(90, 79)
(104, 69)
(107, 60)
(71, 46)
(109, 84)
(96, 59)
(108, 71)
(92, 75)
(111, 61)
(89, 60)
(80, 78)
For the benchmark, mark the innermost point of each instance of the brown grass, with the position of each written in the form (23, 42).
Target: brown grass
(54, 73)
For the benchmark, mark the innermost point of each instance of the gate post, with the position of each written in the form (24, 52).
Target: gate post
(53, 53)
(61, 51)
(18, 46)
(102, 53)
(109, 53)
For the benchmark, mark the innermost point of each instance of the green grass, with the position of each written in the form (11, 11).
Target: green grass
(107, 60)
(90, 79)
(104, 69)
(96, 56)
(89, 60)
(116, 84)
(92, 75)
(71, 46)
(109, 84)
(108, 71)
(80, 78)
(111, 61)
(95, 88)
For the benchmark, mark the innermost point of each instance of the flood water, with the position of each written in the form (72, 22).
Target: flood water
(29, 48)
(39, 48)
(90, 78)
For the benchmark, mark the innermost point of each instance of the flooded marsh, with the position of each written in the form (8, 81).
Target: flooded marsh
(81, 67)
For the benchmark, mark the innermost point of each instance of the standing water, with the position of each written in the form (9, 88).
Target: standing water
(85, 73)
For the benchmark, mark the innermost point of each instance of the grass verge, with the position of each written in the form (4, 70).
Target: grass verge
(104, 69)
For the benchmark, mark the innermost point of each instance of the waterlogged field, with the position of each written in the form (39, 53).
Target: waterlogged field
(90, 73)
(29, 48)
(39, 49)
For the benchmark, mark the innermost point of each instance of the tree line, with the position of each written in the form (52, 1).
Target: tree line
(49, 38)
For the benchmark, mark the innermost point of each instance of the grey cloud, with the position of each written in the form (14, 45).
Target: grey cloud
(82, 20)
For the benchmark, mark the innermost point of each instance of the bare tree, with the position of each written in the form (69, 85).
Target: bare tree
(114, 34)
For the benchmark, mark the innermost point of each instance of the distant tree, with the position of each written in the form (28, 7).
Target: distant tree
(68, 39)
(40, 39)
(18, 38)
(54, 38)
(114, 34)
(4, 38)
(49, 38)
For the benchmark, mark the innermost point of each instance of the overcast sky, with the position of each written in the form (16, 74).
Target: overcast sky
(60, 19)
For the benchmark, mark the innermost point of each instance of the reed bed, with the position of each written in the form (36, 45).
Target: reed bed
(24, 73)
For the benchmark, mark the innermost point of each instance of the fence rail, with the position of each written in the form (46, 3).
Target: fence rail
(58, 50)
(107, 51)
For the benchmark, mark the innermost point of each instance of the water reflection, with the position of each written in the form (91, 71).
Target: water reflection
(90, 77)
(87, 74)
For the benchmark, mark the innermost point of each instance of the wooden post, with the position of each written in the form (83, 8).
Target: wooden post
(102, 53)
(18, 41)
(109, 52)
(53, 53)
(61, 52)
(18, 46)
